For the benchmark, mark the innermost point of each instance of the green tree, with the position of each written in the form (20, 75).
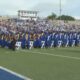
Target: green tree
(66, 18)
(52, 16)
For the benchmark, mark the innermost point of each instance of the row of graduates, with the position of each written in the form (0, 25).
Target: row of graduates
(40, 40)
(7, 41)
(50, 39)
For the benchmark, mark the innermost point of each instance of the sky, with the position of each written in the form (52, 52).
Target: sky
(45, 7)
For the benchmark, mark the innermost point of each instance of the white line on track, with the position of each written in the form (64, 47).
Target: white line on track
(48, 54)
(14, 73)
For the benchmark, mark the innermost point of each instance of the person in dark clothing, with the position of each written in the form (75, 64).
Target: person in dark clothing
(13, 42)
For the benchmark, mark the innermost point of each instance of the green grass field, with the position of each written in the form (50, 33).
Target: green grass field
(43, 64)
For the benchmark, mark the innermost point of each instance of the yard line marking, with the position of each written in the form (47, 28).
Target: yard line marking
(14, 73)
(69, 57)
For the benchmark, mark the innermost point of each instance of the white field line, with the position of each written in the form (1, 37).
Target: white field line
(14, 73)
(48, 54)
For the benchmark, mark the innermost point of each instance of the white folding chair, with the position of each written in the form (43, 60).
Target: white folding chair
(59, 44)
(52, 44)
(43, 44)
(18, 45)
(73, 43)
(31, 45)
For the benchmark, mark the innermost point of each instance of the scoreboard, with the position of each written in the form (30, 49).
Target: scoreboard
(23, 14)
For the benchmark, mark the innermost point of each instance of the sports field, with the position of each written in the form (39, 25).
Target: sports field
(43, 64)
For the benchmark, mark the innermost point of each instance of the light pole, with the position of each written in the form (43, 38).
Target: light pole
(60, 9)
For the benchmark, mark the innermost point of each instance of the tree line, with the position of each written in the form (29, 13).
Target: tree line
(53, 16)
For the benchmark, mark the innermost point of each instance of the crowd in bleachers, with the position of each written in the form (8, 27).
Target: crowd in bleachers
(40, 33)
(16, 25)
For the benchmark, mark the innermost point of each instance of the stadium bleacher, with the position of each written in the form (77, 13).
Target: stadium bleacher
(34, 33)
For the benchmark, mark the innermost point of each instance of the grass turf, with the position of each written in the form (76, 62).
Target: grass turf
(43, 67)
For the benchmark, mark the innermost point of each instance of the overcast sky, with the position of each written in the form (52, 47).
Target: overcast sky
(45, 7)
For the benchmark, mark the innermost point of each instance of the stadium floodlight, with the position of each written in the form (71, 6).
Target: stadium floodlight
(60, 9)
